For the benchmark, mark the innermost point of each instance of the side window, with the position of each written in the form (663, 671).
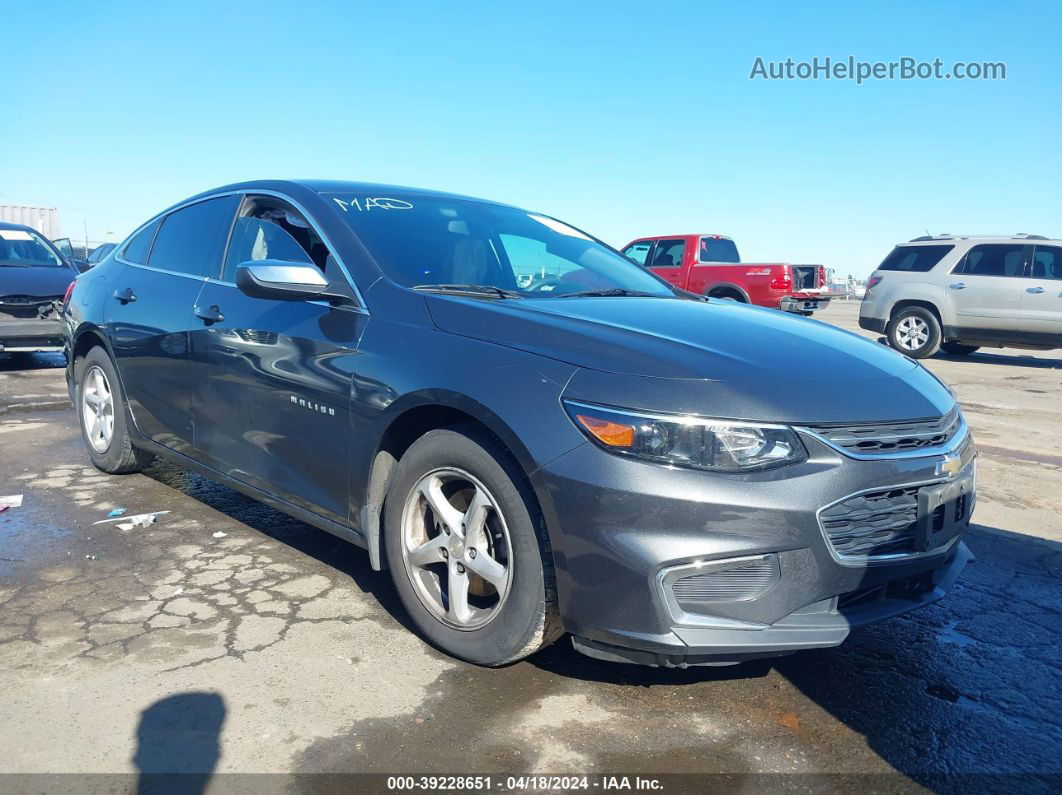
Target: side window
(994, 260)
(136, 250)
(192, 239)
(717, 249)
(638, 251)
(267, 228)
(668, 253)
(1047, 262)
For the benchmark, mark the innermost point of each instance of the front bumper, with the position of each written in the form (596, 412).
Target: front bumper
(619, 526)
(17, 336)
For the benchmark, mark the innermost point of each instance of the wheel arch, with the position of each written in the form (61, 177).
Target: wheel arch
(407, 420)
(921, 302)
(727, 287)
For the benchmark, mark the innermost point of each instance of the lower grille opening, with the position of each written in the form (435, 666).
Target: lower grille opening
(739, 583)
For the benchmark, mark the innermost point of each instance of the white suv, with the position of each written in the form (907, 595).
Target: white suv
(962, 293)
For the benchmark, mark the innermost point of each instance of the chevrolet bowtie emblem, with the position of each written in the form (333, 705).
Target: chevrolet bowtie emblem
(949, 466)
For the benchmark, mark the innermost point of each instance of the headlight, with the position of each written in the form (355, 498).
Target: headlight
(717, 445)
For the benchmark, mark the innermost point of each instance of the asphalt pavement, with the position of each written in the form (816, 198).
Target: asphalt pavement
(229, 638)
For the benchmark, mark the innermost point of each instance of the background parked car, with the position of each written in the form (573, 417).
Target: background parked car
(34, 276)
(710, 265)
(961, 293)
(98, 253)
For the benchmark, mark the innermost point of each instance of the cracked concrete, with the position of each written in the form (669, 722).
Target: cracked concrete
(306, 653)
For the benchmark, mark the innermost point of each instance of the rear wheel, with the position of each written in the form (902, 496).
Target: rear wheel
(728, 295)
(958, 349)
(467, 549)
(914, 331)
(101, 412)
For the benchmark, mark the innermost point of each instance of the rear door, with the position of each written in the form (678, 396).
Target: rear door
(666, 260)
(984, 290)
(149, 314)
(1041, 297)
(273, 378)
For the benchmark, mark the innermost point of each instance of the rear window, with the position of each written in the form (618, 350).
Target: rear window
(914, 259)
(136, 250)
(717, 249)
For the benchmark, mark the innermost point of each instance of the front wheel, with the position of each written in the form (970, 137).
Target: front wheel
(914, 331)
(467, 549)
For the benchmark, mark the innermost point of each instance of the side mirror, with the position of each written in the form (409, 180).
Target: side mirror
(280, 280)
(82, 265)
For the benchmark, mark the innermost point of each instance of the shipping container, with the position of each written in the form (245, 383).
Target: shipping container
(44, 219)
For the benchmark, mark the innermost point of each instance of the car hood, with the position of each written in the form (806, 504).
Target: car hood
(43, 282)
(715, 358)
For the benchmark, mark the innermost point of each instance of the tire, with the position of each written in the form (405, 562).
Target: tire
(97, 385)
(915, 332)
(728, 296)
(500, 621)
(958, 349)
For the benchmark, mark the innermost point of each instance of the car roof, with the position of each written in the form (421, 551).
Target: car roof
(683, 234)
(1018, 238)
(343, 186)
(19, 227)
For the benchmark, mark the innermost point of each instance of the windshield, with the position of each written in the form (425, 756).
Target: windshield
(26, 249)
(428, 240)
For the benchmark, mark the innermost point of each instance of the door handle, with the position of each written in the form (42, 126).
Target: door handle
(209, 314)
(126, 296)
(957, 286)
(1034, 290)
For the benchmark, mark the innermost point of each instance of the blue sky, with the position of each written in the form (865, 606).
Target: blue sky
(627, 119)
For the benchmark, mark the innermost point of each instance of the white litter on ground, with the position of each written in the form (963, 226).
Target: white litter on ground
(129, 522)
(12, 501)
(220, 534)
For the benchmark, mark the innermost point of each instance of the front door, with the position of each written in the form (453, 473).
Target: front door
(1041, 297)
(666, 260)
(149, 314)
(984, 290)
(273, 378)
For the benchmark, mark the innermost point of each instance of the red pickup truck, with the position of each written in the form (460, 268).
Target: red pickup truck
(710, 265)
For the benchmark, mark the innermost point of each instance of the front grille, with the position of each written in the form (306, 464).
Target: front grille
(741, 583)
(875, 524)
(885, 523)
(892, 437)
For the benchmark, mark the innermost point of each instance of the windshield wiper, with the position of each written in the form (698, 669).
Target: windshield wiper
(613, 291)
(487, 290)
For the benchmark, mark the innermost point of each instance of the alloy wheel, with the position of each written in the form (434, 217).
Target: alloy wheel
(456, 548)
(912, 333)
(97, 409)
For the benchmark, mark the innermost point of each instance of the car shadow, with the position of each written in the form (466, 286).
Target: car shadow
(969, 685)
(1011, 360)
(178, 743)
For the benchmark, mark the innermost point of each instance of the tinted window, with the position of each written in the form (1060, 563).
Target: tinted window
(916, 259)
(1047, 262)
(638, 251)
(668, 253)
(717, 249)
(430, 240)
(191, 240)
(993, 260)
(136, 250)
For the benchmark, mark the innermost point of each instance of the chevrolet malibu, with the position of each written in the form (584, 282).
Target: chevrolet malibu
(533, 434)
